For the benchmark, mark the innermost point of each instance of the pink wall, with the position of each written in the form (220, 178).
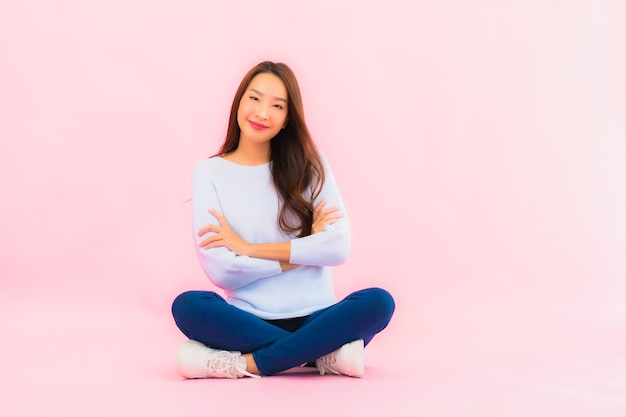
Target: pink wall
(479, 146)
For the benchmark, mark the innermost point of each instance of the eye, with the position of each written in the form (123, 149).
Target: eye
(278, 106)
(254, 98)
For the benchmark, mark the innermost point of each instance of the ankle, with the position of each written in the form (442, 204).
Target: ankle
(251, 364)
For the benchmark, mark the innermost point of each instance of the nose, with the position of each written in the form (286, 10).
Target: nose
(262, 113)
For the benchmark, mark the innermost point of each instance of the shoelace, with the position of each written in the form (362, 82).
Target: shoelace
(326, 364)
(224, 364)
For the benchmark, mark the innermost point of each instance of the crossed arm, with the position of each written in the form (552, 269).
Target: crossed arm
(224, 236)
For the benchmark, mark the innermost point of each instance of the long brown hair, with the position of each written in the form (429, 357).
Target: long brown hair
(297, 168)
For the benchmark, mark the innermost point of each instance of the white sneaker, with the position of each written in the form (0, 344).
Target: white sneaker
(195, 360)
(347, 360)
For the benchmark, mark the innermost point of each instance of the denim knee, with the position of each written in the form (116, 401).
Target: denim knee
(180, 303)
(185, 304)
(381, 301)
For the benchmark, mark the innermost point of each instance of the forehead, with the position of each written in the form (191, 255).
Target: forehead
(268, 84)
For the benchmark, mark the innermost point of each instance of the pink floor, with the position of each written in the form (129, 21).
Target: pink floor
(110, 360)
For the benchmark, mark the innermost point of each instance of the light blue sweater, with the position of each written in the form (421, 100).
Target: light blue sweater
(246, 196)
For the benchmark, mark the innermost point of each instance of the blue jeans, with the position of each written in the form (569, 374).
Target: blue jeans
(278, 345)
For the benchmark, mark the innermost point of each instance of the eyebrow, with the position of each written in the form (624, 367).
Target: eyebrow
(261, 94)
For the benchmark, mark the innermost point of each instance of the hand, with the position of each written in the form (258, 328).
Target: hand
(224, 236)
(322, 217)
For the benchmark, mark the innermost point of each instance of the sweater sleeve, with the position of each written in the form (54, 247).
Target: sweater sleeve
(224, 268)
(331, 246)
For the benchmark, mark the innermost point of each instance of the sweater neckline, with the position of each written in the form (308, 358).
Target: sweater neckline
(265, 164)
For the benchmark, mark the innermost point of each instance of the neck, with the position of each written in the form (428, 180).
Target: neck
(250, 154)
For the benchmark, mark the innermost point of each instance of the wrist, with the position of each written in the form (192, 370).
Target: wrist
(248, 249)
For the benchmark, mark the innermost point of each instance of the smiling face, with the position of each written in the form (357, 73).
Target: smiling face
(262, 111)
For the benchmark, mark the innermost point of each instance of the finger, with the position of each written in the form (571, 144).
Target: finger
(212, 245)
(330, 210)
(208, 229)
(206, 243)
(334, 215)
(319, 207)
(331, 219)
(322, 222)
(219, 216)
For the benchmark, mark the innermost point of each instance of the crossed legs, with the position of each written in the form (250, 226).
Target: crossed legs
(269, 349)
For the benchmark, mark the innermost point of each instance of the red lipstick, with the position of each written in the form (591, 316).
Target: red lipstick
(257, 126)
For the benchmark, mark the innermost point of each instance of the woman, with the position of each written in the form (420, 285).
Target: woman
(270, 224)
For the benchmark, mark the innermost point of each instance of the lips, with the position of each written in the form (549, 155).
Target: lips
(257, 126)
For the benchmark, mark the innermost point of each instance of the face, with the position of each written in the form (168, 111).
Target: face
(262, 111)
